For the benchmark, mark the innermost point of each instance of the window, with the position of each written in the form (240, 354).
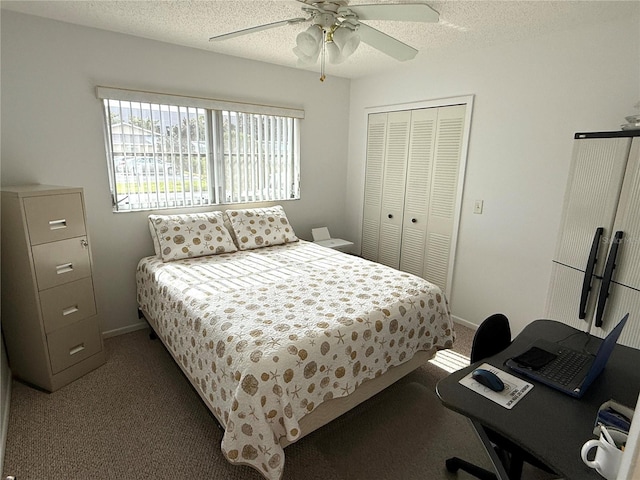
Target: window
(166, 151)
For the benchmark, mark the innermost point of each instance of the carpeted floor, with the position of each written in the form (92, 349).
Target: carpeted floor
(138, 417)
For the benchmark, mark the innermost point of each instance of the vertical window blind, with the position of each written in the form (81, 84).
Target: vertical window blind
(166, 151)
(259, 157)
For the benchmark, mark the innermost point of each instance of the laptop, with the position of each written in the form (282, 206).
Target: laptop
(563, 368)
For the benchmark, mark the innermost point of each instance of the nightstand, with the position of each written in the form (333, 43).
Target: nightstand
(321, 236)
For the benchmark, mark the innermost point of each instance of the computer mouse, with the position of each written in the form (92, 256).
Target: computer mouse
(488, 379)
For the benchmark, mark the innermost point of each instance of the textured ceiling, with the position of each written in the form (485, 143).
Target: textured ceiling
(463, 25)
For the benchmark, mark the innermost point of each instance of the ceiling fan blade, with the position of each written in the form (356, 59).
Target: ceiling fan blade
(386, 44)
(259, 28)
(405, 12)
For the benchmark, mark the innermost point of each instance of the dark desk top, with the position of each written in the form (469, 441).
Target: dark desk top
(549, 424)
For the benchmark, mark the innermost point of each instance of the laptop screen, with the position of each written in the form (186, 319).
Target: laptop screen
(604, 352)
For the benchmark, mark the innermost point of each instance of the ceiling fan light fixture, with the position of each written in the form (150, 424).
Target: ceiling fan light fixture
(347, 40)
(309, 41)
(305, 60)
(351, 45)
(334, 53)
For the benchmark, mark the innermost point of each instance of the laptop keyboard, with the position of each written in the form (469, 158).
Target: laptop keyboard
(565, 367)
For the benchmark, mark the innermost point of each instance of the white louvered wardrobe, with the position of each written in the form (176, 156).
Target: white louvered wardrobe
(596, 268)
(413, 188)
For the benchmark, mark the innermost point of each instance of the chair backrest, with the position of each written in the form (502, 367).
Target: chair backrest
(493, 336)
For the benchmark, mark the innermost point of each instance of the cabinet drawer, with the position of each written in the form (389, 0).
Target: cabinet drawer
(54, 217)
(61, 262)
(67, 304)
(73, 343)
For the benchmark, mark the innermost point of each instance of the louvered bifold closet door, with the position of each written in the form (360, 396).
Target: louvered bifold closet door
(418, 189)
(376, 140)
(395, 172)
(624, 290)
(443, 195)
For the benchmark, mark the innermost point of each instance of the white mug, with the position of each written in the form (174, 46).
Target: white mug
(608, 456)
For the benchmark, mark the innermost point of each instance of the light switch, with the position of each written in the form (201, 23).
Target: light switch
(477, 207)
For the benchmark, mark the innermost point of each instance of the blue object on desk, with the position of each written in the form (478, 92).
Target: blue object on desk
(488, 379)
(611, 418)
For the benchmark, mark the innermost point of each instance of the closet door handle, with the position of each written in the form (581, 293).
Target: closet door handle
(588, 273)
(608, 275)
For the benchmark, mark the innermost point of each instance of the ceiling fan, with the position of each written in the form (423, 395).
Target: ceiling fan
(336, 30)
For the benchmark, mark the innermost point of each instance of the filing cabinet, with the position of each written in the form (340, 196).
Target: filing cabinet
(49, 318)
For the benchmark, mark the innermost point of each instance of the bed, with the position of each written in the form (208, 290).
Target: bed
(280, 336)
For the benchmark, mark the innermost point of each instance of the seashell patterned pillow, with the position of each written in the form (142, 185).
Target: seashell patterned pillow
(260, 227)
(190, 235)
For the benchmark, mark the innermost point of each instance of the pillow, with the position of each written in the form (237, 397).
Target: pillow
(191, 235)
(227, 225)
(154, 237)
(260, 227)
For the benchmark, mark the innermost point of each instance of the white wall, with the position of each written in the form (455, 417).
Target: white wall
(530, 98)
(52, 130)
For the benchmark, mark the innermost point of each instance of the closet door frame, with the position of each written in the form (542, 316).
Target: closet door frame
(466, 100)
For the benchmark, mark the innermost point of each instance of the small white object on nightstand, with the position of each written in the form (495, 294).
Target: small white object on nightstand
(321, 236)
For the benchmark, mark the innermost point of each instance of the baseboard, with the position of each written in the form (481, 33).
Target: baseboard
(464, 323)
(6, 401)
(128, 329)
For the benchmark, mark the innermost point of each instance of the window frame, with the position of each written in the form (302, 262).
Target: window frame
(218, 183)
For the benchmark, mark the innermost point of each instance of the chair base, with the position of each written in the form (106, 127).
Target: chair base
(454, 464)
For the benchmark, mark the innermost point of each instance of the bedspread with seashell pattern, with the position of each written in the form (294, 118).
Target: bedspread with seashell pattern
(267, 335)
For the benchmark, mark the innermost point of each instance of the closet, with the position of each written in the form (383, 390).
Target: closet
(596, 268)
(411, 195)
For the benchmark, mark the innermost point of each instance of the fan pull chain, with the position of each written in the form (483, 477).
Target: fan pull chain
(322, 57)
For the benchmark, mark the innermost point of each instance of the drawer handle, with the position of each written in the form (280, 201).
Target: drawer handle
(65, 268)
(57, 224)
(76, 349)
(69, 310)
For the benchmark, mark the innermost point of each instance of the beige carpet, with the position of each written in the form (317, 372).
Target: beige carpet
(137, 417)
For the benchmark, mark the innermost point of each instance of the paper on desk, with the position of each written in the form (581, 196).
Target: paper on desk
(514, 388)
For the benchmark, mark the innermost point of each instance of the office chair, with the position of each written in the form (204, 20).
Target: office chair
(493, 336)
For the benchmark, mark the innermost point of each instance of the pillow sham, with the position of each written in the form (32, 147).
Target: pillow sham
(154, 237)
(227, 225)
(260, 227)
(191, 235)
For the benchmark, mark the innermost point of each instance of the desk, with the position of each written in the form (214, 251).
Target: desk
(550, 425)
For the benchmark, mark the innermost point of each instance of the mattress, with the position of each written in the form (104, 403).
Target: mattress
(268, 335)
